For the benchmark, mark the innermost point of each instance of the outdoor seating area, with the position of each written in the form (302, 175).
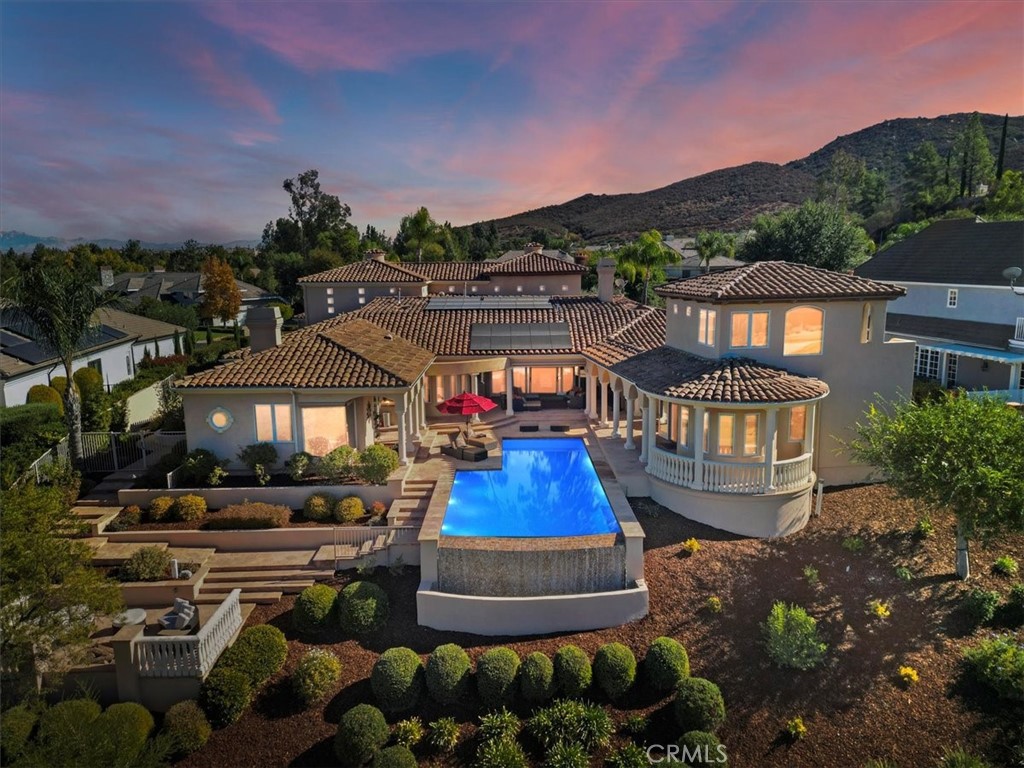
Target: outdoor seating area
(461, 449)
(183, 617)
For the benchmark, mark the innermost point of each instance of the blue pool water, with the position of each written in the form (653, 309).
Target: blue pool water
(545, 487)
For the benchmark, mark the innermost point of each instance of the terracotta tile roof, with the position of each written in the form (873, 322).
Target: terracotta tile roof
(366, 271)
(673, 373)
(454, 271)
(535, 264)
(349, 354)
(775, 281)
(644, 333)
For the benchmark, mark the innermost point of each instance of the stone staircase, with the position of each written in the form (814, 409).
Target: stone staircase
(411, 507)
(263, 577)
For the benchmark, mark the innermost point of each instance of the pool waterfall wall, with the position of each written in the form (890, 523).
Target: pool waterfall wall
(547, 585)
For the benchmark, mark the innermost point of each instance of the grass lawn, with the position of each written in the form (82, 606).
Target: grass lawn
(853, 705)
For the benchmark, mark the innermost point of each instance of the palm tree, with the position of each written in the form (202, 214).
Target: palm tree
(646, 258)
(420, 233)
(712, 244)
(59, 306)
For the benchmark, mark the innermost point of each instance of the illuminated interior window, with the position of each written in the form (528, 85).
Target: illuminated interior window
(565, 288)
(689, 311)
(324, 428)
(330, 301)
(726, 438)
(330, 291)
(542, 289)
(220, 419)
(751, 446)
(706, 327)
(472, 289)
(391, 290)
(330, 310)
(362, 299)
(865, 324)
(451, 289)
(675, 308)
(497, 288)
(362, 291)
(273, 423)
(519, 288)
(804, 331)
(798, 422)
(497, 382)
(749, 329)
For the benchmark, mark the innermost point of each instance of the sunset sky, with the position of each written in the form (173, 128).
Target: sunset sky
(167, 121)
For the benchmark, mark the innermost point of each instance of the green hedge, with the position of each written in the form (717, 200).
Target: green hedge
(187, 727)
(614, 669)
(313, 609)
(699, 705)
(16, 726)
(258, 653)
(397, 680)
(703, 749)
(573, 673)
(447, 674)
(363, 608)
(362, 731)
(315, 675)
(394, 757)
(666, 664)
(537, 678)
(224, 695)
(122, 731)
(496, 674)
(68, 714)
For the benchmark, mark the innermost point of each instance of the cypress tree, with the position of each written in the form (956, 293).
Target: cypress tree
(177, 342)
(1002, 147)
(209, 335)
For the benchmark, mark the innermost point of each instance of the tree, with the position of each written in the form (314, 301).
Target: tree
(221, 296)
(816, 234)
(420, 234)
(711, 245)
(1002, 147)
(58, 308)
(316, 218)
(646, 258)
(927, 179)
(959, 454)
(49, 591)
(848, 184)
(971, 146)
(1009, 197)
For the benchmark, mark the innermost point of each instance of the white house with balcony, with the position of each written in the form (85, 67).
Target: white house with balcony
(964, 306)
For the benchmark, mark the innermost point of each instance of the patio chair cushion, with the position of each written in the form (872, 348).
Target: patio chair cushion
(460, 441)
(180, 604)
(488, 444)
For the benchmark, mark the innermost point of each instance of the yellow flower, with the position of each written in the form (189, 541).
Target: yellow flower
(692, 546)
(879, 609)
(908, 675)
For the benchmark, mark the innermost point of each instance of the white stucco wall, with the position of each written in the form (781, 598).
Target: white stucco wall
(116, 362)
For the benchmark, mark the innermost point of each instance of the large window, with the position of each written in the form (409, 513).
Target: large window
(324, 428)
(865, 324)
(749, 329)
(926, 363)
(751, 445)
(706, 320)
(726, 436)
(951, 298)
(273, 423)
(804, 331)
(797, 423)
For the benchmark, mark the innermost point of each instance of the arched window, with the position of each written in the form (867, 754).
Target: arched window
(865, 324)
(804, 331)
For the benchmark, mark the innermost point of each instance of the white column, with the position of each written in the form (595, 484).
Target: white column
(604, 404)
(630, 445)
(402, 436)
(943, 372)
(812, 417)
(645, 410)
(1014, 376)
(680, 441)
(770, 440)
(650, 429)
(698, 447)
(474, 385)
(591, 395)
(616, 412)
(508, 392)
(423, 404)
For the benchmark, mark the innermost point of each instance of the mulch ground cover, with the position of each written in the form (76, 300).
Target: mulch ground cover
(853, 706)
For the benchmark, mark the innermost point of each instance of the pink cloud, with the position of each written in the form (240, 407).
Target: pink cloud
(233, 88)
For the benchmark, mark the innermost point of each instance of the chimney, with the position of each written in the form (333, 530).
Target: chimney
(533, 248)
(376, 255)
(606, 278)
(106, 276)
(264, 324)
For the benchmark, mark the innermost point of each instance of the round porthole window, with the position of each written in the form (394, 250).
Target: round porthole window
(220, 420)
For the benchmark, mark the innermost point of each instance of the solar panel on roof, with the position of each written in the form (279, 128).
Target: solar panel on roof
(493, 336)
(488, 302)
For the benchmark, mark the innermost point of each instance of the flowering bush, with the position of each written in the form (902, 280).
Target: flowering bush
(908, 675)
(879, 609)
(691, 546)
(796, 729)
(713, 604)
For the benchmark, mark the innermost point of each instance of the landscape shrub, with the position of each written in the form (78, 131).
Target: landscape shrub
(378, 509)
(42, 394)
(319, 507)
(337, 465)
(362, 731)
(614, 669)
(567, 755)
(397, 680)
(691, 546)
(95, 401)
(629, 755)
(444, 734)
(500, 753)
(260, 458)
(700, 749)
(362, 608)
(961, 758)
(258, 653)
(980, 605)
(496, 672)
(317, 672)
(713, 604)
(853, 544)
(791, 637)
(189, 508)
(908, 675)
(122, 731)
(573, 673)
(16, 726)
(795, 729)
(665, 664)
(147, 564)
(537, 678)
(250, 515)
(187, 727)
(160, 508)
(397, 756)
(1013, 611)
(68, 714)
(699, 705)
(349, 509)
(224, 695)
(312, 612)
(568, 721)
(376, 464)
(447, 674)
(408, 733)
(298, 465)
(1005, 566)
(26, 432)
(499, 725)
(201, 468)
(131, 515)
(924, 528)
(998, 662)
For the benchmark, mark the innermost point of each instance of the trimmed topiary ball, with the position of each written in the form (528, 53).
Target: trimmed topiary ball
(614, 669)
(362, 731)
(363, 607)
(16, 728)
(496, 673)
(319, 507)
(123, 729)
(258, 653)
(224, 695)
(537, 678)
(447, 674)
(313, 607)
(397, 679)
(394, 757)
(666, 664)
(71, 713)
(187, 727)
(573, 673)
(349, 509)
(188, 508)
(315, 675)
(700, 749)
(160, 508)
(699, 705)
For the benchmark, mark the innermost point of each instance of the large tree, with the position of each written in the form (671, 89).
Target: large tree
(926, 184)
(419, 234)
(316, 219)
(972, 150)
(711, 245)
(50, 594)
(1008, 201)
(58, 307)
(817, 234)
(959, 454)
(222, 298)
(646, 259)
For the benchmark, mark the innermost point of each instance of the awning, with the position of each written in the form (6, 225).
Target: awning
(1008, 356)
(472, 365)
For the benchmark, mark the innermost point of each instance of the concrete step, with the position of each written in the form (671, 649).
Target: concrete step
(325, 555)
(269, 585)
(284, 574)
(258, 598)
(261, 561)
(111, 553)
(198, 555)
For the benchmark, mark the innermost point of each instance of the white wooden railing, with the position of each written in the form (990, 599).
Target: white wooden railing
(792, 473)
(1018, 331)
(190, 655)
(723, 477)
(671, 467)
(729, 477)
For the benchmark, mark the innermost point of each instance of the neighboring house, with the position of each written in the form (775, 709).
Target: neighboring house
(689, 264)
(534, 271)
(183, 288)
(960, 308)
(729, 382)
(114, 347)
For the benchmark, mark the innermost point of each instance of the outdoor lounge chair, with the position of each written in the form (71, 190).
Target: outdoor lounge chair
(183, 616)
(459, 449)
(487, 443)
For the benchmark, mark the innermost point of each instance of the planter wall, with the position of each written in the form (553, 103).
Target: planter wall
(290, 496)
(151, 594)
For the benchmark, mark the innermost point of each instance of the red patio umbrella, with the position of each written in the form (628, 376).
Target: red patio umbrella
(467, 404)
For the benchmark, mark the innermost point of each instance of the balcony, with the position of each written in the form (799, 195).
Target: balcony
(730, 477)
(1018, 334)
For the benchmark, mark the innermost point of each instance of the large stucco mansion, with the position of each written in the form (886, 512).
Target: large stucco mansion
(736, 397)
